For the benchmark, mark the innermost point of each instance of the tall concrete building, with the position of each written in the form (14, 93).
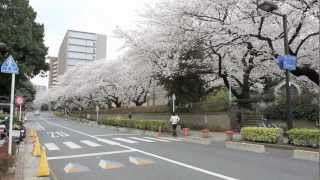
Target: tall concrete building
(53, 71)
(79, 48)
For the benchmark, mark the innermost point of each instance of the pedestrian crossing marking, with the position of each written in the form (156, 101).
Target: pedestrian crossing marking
(90, 143)
(72, 145)
(172, 139)
(51, 146)
(57, 134)
(157, 139)
(108, 141)
(141, 139)
(125, 140)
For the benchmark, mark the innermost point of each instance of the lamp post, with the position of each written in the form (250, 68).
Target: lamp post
(271, 7)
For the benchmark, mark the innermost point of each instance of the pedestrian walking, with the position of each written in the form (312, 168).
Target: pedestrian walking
(174, 119)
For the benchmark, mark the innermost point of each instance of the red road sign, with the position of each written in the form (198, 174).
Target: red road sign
(19, 100)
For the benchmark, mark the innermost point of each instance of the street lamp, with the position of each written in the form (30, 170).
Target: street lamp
(271, 7)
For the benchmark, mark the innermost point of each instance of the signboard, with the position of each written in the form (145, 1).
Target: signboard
(287, 62)
(19, 100)
(10, 66)
(15, 133)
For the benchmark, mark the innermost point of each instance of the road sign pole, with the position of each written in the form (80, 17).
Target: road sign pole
(11, 114)
(173, 102)
(20, 113)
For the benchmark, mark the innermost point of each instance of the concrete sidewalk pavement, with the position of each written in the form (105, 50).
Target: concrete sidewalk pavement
(26, 164)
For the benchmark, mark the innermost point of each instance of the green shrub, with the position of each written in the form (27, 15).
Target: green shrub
(304, 137)
(152, 125)
(260, 134)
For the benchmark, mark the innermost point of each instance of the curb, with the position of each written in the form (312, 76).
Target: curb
(306, 155)
(198, 140)
(245, 147)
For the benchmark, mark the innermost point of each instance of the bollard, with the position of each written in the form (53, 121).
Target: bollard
(159, 132)
(43, 169)
(36, 149)
(205, 133)
(185, 131)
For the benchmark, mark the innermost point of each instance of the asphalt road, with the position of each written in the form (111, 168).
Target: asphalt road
(78, 152)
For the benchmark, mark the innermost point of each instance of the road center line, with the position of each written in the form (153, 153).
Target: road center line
(90, 154)
(221, 176)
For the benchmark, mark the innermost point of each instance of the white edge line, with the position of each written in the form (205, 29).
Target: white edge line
(88, 155)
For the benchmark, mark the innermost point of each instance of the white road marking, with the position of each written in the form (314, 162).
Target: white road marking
(64, 134)
(72, 145)
(157, 139)
(108, 141)
(51, 147)
(106, 135)
(141, 139)
(125, 140)
(90, 143)
(52, 135)
(88, 155)
(221, 176)
(172, 139)
(59, 134)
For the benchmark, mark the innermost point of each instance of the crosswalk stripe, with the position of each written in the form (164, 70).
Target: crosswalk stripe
(64, 134)
(72, 145)
(125, 140)
(171, 139)
(59, 134)
(157, 139)
(141, 139)
(51, 146)
(108, 141)
(90, 143)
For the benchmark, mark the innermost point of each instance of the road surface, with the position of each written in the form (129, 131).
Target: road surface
(78, 152)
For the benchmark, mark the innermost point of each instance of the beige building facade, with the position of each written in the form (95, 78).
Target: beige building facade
(79, 48)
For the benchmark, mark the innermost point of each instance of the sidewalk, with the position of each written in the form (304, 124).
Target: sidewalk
(26, 164)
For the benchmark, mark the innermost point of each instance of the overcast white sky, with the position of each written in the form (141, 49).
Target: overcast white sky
(98, 16)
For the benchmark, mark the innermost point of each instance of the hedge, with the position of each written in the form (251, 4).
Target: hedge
(152, 125)
(304, 137)
(261, 134)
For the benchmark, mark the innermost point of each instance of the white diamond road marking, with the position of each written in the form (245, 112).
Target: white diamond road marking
(125, 140)
(72, 145)
(51, 147)
(90, 143)
(141, 139)
(157, 139)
